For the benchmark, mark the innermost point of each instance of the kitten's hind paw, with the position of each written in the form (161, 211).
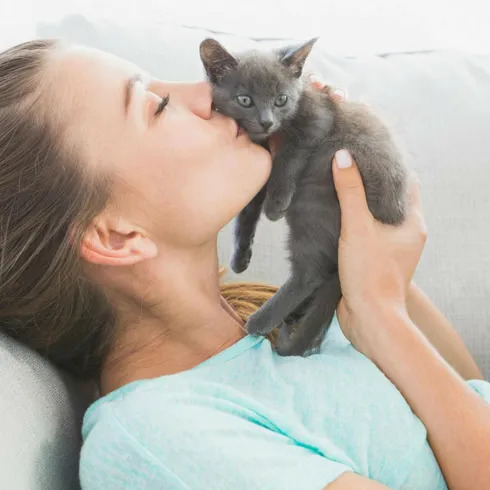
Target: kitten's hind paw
(240, 260)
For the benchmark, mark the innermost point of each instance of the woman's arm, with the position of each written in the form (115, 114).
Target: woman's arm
(456, 418)
(435, 326)
(440, 333)
(376, 265)
(351, 481)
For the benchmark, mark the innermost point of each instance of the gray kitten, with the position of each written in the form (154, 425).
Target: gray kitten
(265, 93)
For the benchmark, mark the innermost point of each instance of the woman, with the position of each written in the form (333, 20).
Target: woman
(111, 198)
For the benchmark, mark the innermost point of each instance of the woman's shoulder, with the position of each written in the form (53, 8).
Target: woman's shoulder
(171, 405)
(128, 444)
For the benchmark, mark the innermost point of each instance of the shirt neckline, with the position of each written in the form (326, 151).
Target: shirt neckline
(230, 352)
(234, 350)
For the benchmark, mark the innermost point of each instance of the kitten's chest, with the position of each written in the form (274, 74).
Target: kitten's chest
(315, 181)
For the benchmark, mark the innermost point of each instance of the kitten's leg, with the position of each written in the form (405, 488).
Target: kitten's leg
(385, 180)
(286, 169)
(289, 296)
(308, 333)
(380, 163)
(245, 226)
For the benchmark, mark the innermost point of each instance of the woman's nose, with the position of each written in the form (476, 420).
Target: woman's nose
(196, 96)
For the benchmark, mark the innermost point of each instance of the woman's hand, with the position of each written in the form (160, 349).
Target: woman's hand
(376, 264)
(376, 261)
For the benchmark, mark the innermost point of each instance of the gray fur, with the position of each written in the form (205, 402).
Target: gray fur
(301, 185)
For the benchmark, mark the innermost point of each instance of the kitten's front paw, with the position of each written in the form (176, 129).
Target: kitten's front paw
(241, 259)
(259, 324)
(276, 205)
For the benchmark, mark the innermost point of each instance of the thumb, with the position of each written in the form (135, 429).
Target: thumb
(350, 190)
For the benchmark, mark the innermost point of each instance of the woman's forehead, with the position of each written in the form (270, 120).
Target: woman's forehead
(87, 81)
(74, 64)
(88, 87)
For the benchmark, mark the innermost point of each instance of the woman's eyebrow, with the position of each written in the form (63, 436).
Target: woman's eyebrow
(128, 91)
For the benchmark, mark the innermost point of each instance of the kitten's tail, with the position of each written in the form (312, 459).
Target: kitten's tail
(310, 330)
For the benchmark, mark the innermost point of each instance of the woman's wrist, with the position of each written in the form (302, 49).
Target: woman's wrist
(374, 327)
(367, 327)
(385, 310)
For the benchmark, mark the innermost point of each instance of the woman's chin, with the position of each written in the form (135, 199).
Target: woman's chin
(264, 160)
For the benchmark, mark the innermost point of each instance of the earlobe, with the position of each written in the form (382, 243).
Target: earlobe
(105, 246)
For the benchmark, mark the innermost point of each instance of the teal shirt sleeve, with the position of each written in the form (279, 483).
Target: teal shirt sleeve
(190, 444)
(481, 387)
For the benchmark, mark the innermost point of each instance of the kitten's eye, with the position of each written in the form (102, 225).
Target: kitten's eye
(245, 100)
(281, 100)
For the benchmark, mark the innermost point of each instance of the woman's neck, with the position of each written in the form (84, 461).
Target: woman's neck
(188, 324)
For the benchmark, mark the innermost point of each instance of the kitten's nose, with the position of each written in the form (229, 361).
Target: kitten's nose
(266, 124)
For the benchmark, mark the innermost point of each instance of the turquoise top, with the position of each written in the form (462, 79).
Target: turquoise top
(250, 419)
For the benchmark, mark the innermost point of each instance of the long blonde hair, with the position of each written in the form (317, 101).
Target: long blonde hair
(246, 297)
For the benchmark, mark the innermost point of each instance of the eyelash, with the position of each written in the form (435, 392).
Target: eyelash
(162, 105)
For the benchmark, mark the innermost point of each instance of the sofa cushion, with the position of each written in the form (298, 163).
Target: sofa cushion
(41, 411)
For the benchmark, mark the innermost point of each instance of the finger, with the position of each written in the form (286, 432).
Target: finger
(350, 191)
(338, 94)
(319, 85)
(316, 81)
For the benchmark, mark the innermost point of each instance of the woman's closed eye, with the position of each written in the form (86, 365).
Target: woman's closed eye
(154, 103)
(161, 106)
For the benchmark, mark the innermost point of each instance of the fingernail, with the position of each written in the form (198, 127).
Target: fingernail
(316, 81)
(343, 159)
(340, 93)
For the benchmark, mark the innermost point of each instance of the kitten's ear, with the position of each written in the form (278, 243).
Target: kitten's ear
(216, 59)
(294, 58)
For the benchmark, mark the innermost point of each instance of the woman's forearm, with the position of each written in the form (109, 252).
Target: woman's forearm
(442, 335)
(456, 418)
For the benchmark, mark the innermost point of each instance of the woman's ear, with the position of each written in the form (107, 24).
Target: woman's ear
(115, 242)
